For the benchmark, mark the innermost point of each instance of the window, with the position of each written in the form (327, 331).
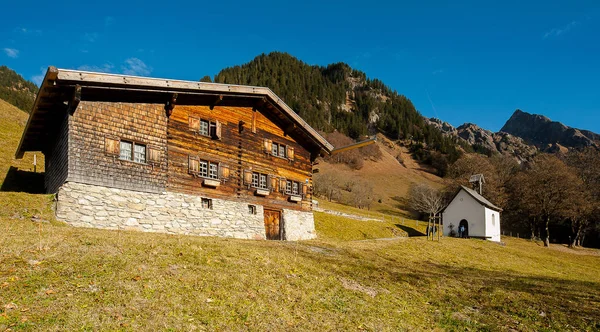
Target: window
(493, 219)
(139, 153)
(252, 209)
(213, 172)
(262, 181)
(204, 168)
(279, 150)
(259, 180)
(207, 203)
(204, 128)
(125, 150)
(292, 188)
(132, 151)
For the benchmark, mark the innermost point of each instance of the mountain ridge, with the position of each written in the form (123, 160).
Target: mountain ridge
(542, 132)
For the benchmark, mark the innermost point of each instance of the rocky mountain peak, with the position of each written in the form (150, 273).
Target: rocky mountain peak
(542, 132)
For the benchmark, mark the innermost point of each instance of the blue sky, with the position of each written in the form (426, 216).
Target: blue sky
(461, 61)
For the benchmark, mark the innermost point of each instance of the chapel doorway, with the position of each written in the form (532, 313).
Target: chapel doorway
(273, 224)
(463, 228)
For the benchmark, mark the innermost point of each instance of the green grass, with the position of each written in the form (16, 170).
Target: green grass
(343, 229)
(55, 277)
(334, 206)
(59, 277)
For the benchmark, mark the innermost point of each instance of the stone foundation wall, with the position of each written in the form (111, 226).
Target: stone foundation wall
(84, 205)
(298, 225)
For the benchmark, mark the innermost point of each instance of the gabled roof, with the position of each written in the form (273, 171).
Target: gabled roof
(482, 200)
(60, 85)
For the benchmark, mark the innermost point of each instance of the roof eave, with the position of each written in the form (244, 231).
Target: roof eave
(51, 75)
(56, 74)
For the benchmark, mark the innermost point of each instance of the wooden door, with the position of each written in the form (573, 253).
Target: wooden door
(272, 224)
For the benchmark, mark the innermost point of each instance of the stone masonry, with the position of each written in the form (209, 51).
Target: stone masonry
(84, 205)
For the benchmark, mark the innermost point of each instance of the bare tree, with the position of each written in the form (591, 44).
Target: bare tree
(547, 189)
(327, 185)
(425, 199)
(362, 195)
(587, 202)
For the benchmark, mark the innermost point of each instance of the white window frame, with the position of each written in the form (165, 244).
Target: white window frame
(139, 157)
(260, 180)
(279, 150)
(204, 127)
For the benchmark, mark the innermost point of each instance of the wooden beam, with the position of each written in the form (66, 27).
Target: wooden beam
(254, 115)
(75, 99)
(52, 73)
(170, 105)
(260, 103)
(217, 101)
(289, 129)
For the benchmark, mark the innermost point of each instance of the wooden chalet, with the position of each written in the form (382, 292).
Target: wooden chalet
(161, 155)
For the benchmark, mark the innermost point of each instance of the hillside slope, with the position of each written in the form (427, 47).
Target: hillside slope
(337, 97)
(16, 90)
(391, 176)
(12, 124)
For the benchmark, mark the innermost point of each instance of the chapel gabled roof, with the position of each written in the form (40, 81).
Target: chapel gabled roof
(480, 199)
(61, 86)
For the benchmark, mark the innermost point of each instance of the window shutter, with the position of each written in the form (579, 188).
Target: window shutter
(274, 183)
(193, 165)
(248, 177)
(290, 152)
(217, 130)
(224, 169)
(268, 145)
(282, 184)
(194, 123)
(270, 182)
(153, 154)
(112, 146)
(304, 189)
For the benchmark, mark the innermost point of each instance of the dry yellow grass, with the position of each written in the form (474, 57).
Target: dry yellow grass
(64, 278)
(12, 122)
(54, 277)
(390, 180)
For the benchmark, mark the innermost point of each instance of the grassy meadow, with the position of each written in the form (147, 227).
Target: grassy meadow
(55, 277)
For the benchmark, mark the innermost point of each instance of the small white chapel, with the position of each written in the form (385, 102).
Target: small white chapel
(470, 215)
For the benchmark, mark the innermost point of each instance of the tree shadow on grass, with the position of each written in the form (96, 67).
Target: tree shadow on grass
(23, 181)
(410, 231)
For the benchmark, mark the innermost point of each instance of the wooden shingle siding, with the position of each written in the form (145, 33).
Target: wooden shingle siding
(95, 123)
(57, 156)
(240, 151)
